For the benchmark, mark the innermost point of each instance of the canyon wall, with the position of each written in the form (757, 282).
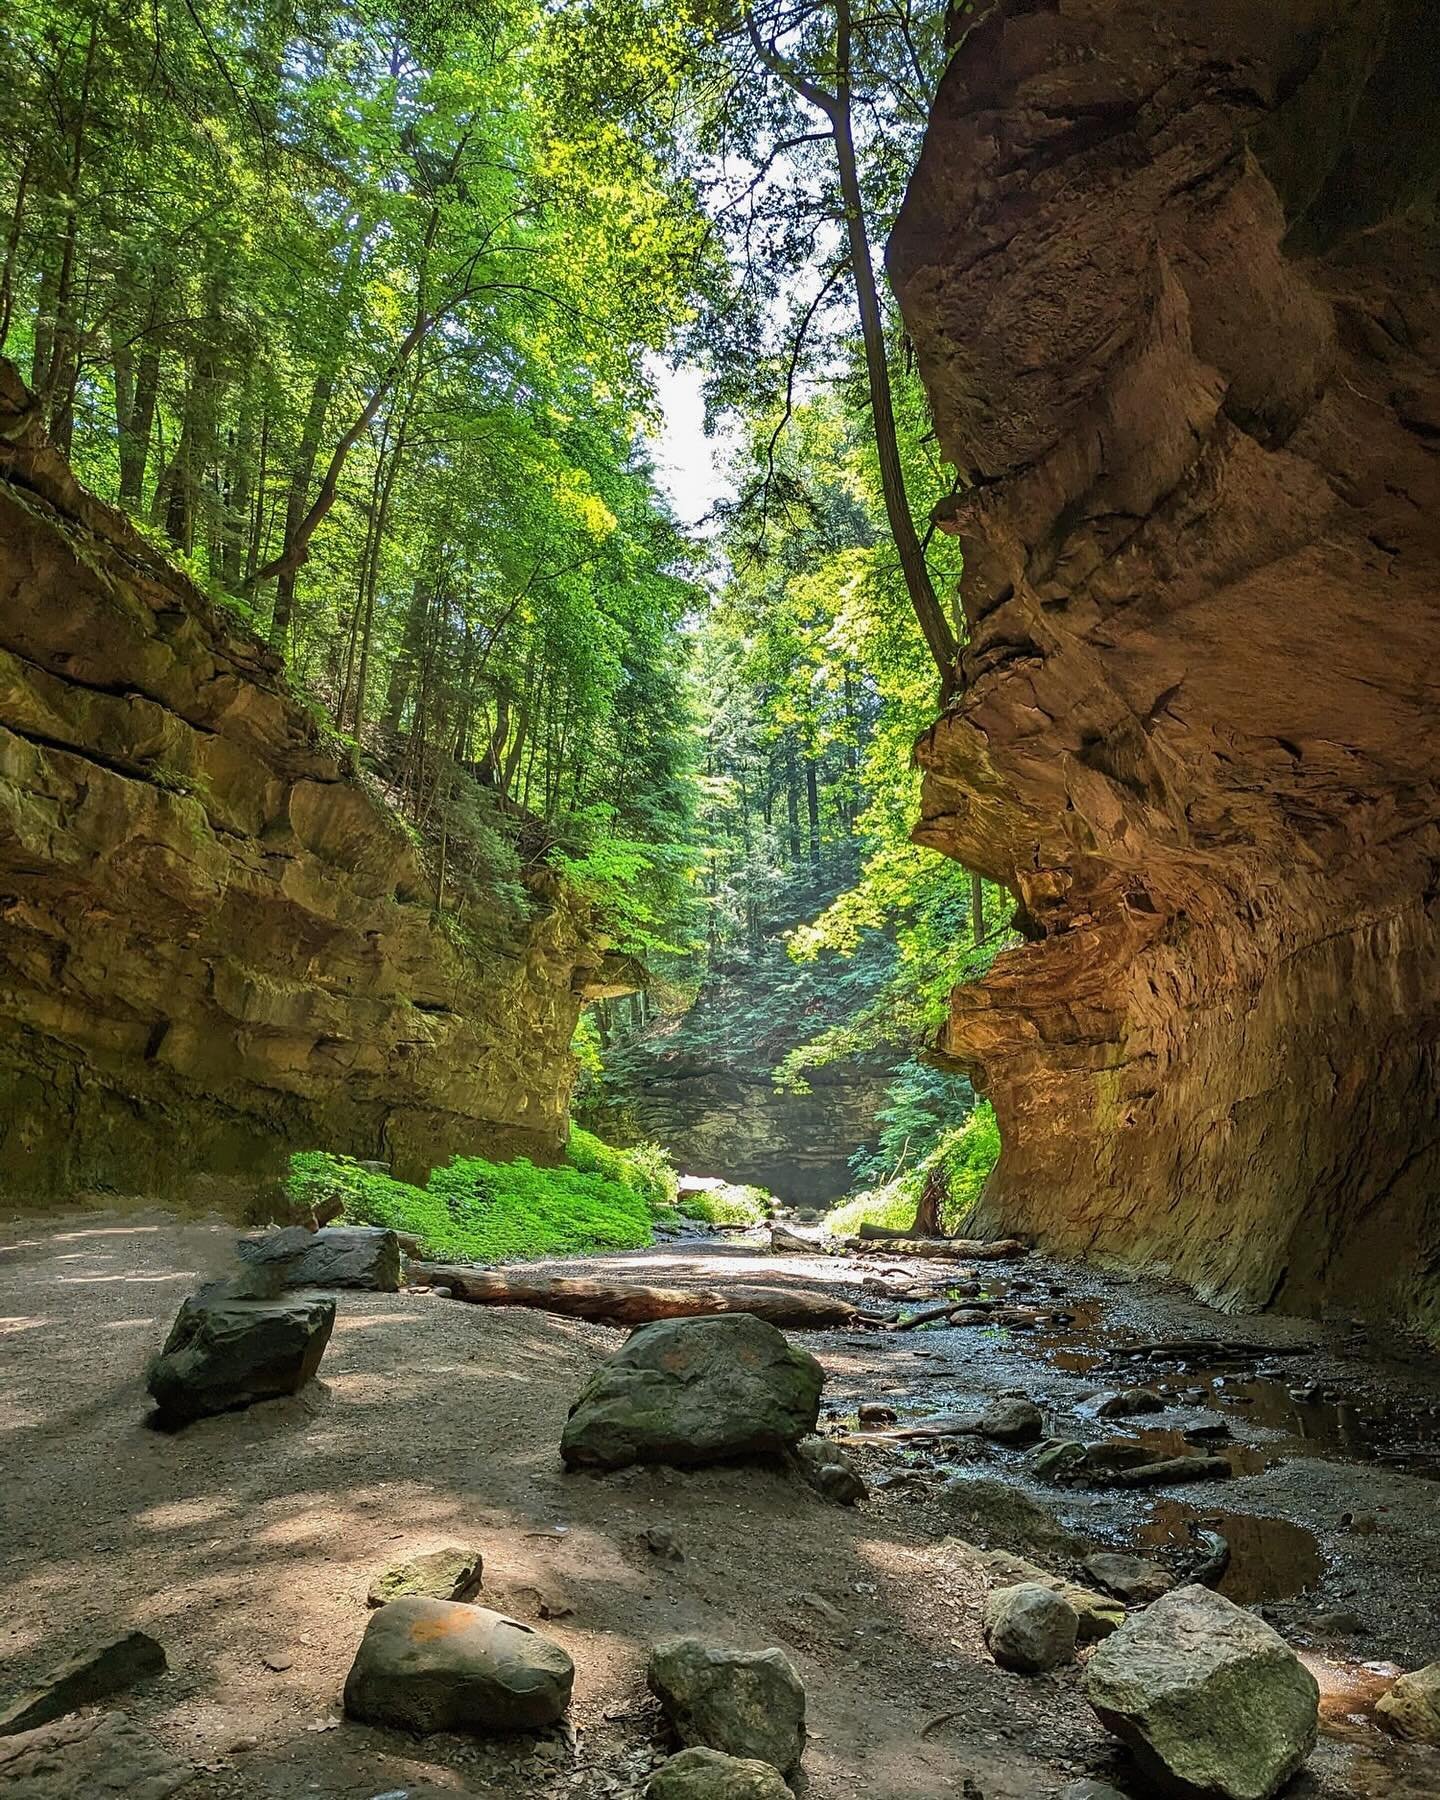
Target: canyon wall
(1173, 279)
(215, 944)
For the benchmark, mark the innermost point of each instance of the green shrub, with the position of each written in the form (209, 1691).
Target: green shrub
(967, 1155)
(731, 1205)
(478, 1211)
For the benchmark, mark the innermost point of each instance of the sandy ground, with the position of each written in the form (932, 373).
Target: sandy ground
(246, 1543)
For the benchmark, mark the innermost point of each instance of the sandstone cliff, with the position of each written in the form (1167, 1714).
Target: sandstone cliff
(215, 946)
(1173, 280)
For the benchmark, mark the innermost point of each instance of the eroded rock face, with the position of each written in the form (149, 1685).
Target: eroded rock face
(214, 945)
(1176, 301)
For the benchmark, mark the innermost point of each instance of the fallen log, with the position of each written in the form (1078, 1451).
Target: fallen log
(954, 1249)
(630, 1303)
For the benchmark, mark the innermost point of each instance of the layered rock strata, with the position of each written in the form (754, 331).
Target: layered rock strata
(1173, 280)
(216, 945)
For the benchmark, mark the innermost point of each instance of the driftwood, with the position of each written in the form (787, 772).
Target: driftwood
(1214, 1350)
(896, 1243)
(630, 1303)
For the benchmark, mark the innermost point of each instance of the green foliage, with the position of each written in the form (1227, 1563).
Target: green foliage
(734, 1205)
(967, 1154)
(478, 1211)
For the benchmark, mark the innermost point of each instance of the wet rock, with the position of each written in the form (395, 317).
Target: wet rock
(830, 1471)
(1214, 1704)
(872, 1413)
(1129, 1403)
(1002, 1516)
(1012, 1422)
(1411, 1708)
(342, 1256)
(90, 1757)
(700, 1774)
(695, 1391)
(1129, 1578)
(747, 1703)
(436, 1665)
(449, 1574)
(1098, 1614)
(1057, 1460)
(1337, 1624)
(1030, 1628)
(1173, 1469)
(224, 1352)
(90, 1675)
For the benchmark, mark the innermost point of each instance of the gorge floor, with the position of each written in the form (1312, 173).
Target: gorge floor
(246, 1543)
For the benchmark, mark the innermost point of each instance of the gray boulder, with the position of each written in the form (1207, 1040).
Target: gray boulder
(339, 1256)
(1130, 1402)
(1011, 1422)
(91, 1674)
(694, 1391)
(709, 1775)
(746, 1703)
(831, 1473)
(1214, 1704)
(1030, 1628)
(224, 1352)
(1129, 1578)
(439, 1665)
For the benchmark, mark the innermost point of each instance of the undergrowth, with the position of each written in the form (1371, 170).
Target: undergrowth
(729, 1205)
(967, 1154)
(487, 1212)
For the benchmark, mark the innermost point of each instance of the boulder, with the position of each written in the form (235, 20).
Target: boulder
(1130, 1402)
(224, 1352)
(747, 1703)
(1012, 1422)
(1213, 1703)
(449, 1574)
(1411, 1707)
(1003, 1516)
(700, 1774)
(1129, 1578)
(1030, 1628)
(831, 1473)
(438, 1665)
(91, 1756)
(1098, 1614)
(1058, 1459)
(338, 1256)
(91, 1674)
(695, 1391)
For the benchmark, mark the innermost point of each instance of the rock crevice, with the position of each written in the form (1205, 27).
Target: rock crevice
(1173, 289)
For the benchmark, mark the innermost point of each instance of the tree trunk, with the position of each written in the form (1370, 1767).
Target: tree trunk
(629, 1303)
(977, 908)
(901, 1243)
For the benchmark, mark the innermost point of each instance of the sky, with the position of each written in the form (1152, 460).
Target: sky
(688, 464)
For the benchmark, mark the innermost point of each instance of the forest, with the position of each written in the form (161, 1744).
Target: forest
(719, 824)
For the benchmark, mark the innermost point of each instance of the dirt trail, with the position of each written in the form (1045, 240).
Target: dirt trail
(246, 1543)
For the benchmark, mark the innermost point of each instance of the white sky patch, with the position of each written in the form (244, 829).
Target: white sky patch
(690, 465)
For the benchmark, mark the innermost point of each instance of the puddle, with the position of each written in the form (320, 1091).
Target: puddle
(1404, 1439)
(1270, 1559)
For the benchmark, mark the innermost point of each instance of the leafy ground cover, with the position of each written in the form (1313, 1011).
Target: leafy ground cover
(967, 1155)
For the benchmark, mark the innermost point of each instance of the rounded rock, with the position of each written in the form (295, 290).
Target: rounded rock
(441, 1665)
(1030, 1628)
(700, 1774)
(746, 1703)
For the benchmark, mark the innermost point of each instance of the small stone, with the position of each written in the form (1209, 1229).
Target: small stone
(872, 1413)
(224, 1352)
(700, 1774)
(1012, 1422)
(1029, 1628)
(695, 1391)
(1130, 1402)
(452, 1573)
(91, 1675)
(830, 1471)
(746, 1703)
(660, 1541)
(1057, 1460)
(439, 1665)
(1129, 1578)
(1213, 1703)
(1098, 1614)
(1002, 1516)
(1411, 1707)
(277, 1661)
